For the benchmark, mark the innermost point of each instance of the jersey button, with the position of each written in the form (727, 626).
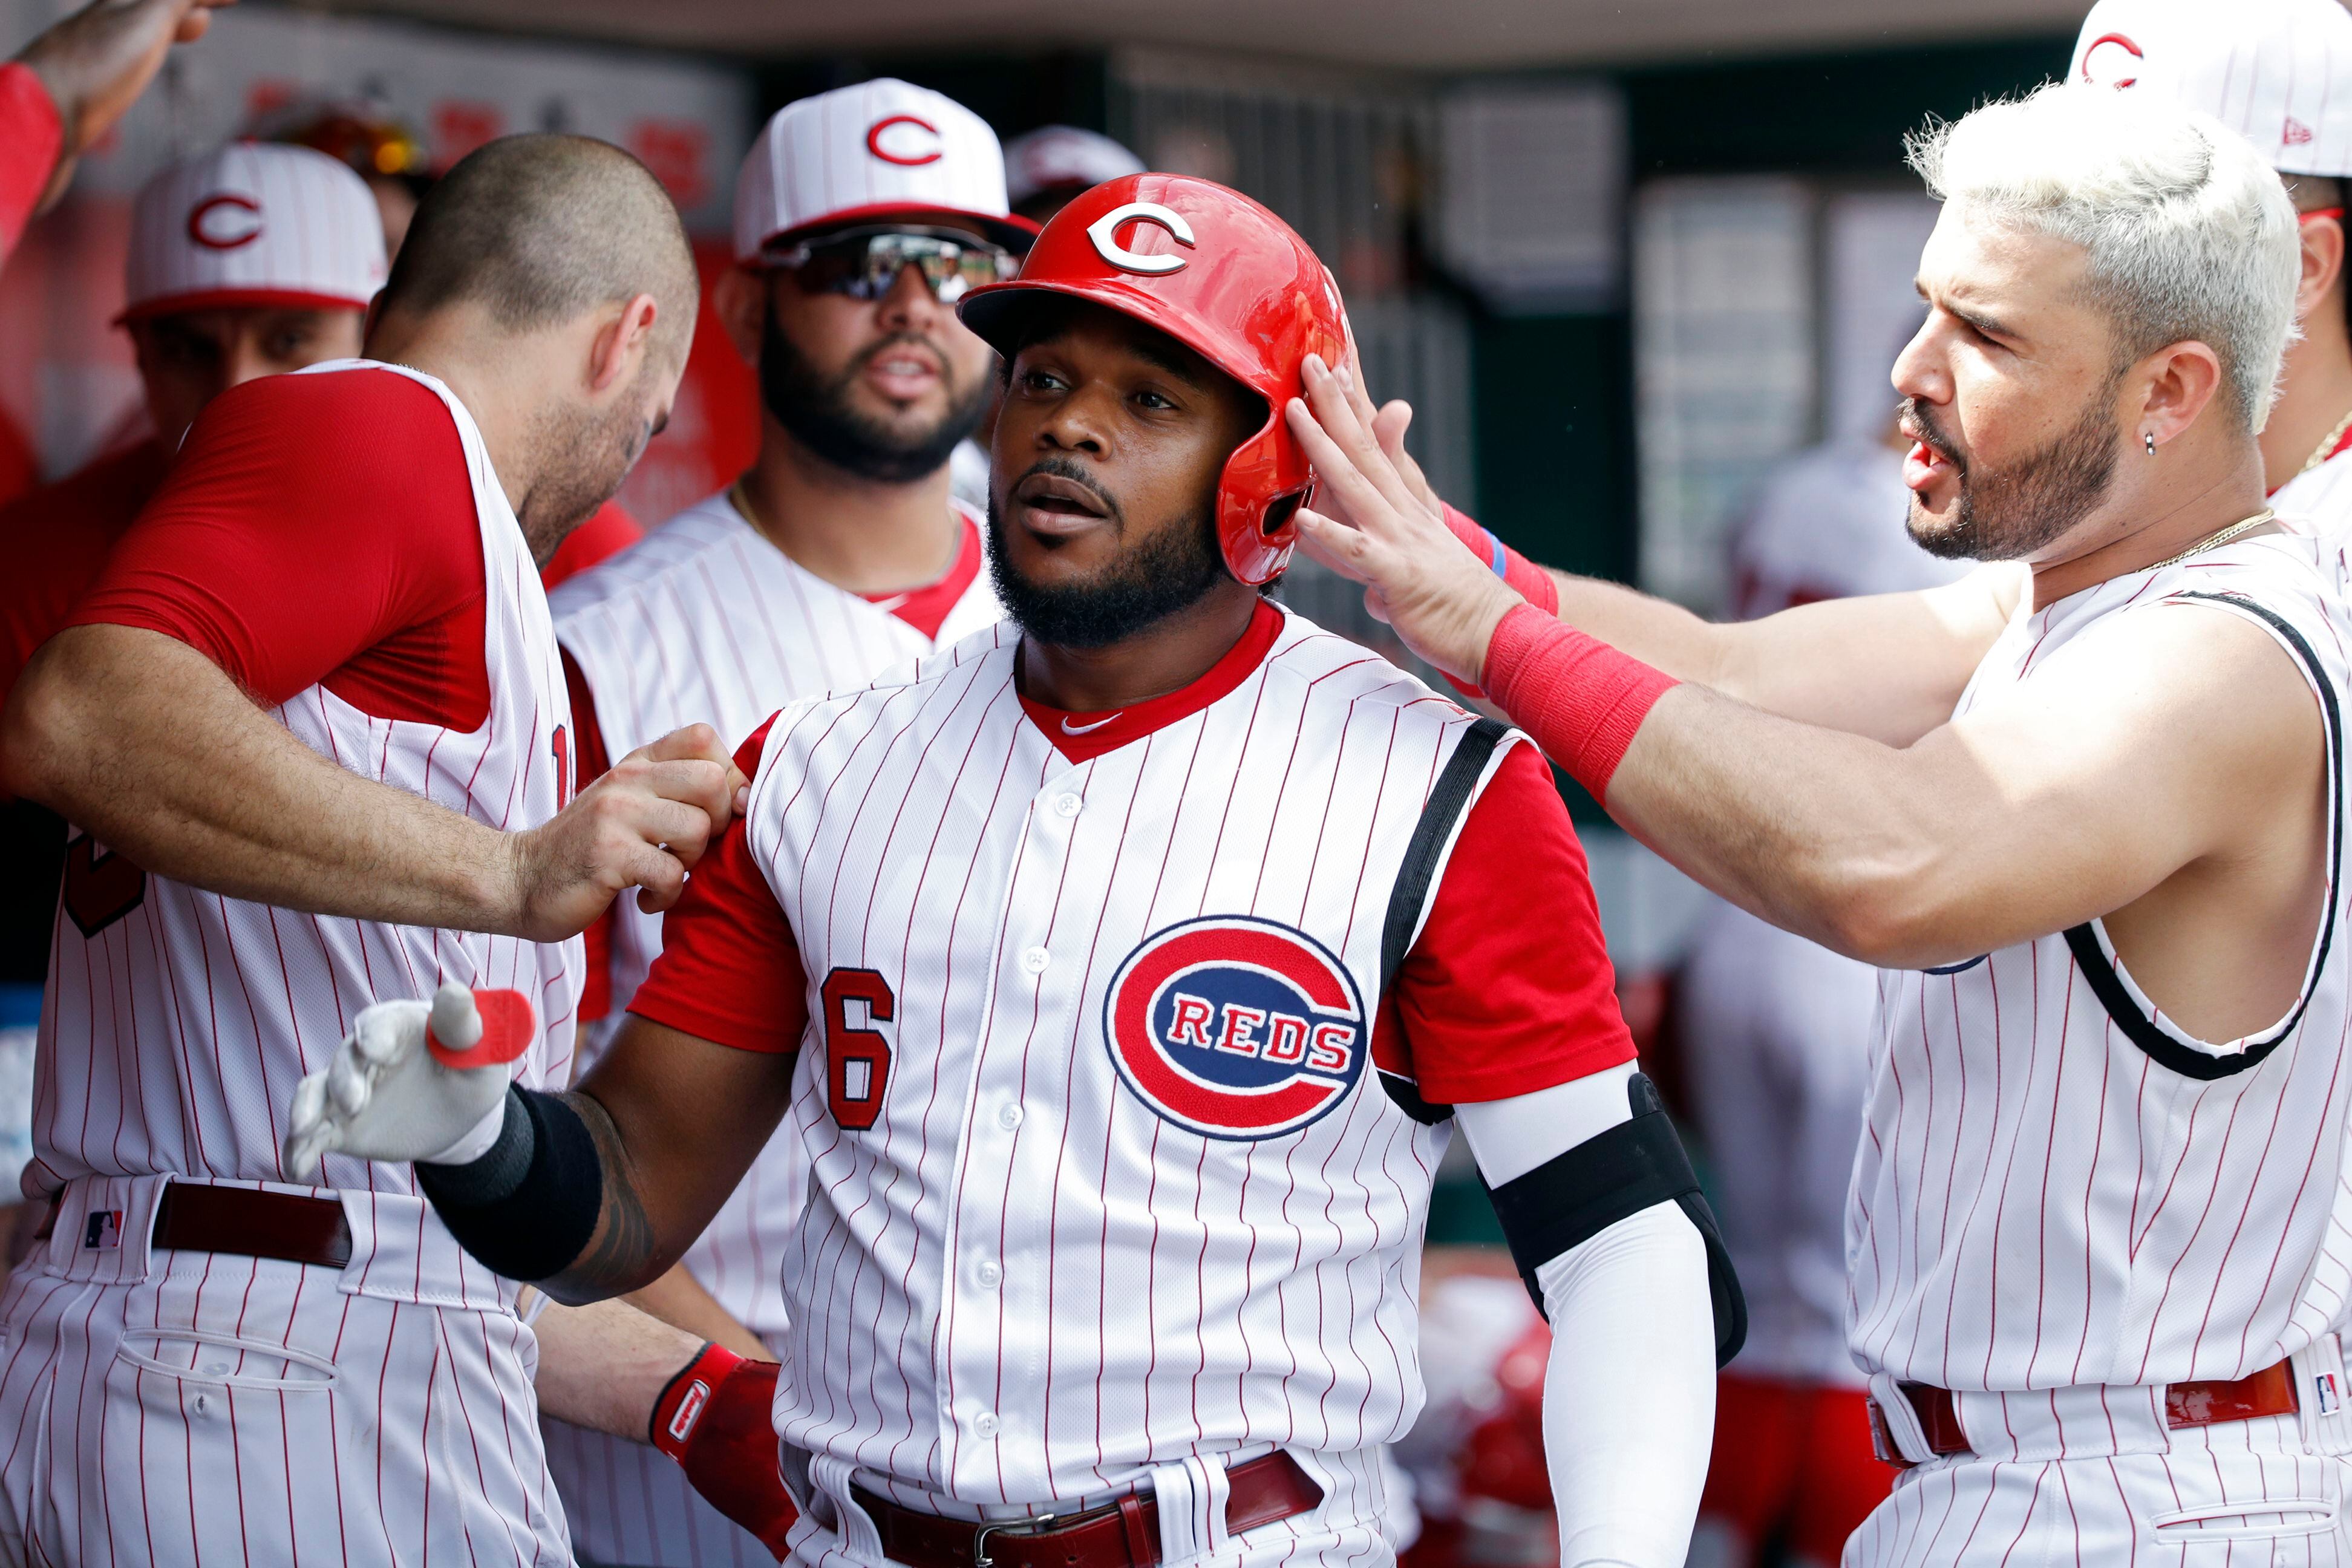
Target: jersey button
(1068, 805)
(1035, 960)
(985, 1424)
(1008, 1117)
(988, 1274)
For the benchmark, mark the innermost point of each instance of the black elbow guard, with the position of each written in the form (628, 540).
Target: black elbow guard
(1568, 1200)
(526, 1208)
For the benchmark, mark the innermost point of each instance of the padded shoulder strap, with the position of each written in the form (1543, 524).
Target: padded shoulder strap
(1447, 802)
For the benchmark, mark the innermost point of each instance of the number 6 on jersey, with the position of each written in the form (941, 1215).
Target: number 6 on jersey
(857, 1058)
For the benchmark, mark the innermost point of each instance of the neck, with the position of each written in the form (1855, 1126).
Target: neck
(2317, 394)
(863, 536)
(1164, 657)
(2190, 490)
(500, 388)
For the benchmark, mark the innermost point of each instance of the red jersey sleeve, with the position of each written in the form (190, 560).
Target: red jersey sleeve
(31, 136)
(1508, 989)
(730, 968)
(590, 763)
(318, 530)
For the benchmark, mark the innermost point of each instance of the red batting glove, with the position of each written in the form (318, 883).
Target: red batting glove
(717, 1420)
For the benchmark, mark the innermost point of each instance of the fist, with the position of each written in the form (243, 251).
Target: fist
(415, 1080)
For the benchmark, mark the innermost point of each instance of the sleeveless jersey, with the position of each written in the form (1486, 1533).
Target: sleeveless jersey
(2321, 500)
(177, 1022)
(2058, 1184)
(1120, 1183)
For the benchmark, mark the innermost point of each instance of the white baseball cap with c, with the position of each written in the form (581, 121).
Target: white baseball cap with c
(881, 152)
(2279, 72)
(254, 224)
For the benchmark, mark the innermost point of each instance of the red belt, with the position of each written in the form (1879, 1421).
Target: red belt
(2270, 1391)
(192, 1216)
(1124, 1534)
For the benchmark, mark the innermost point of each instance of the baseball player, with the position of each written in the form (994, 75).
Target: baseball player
(67, 88)
(244, 262)
(1120, 971)
(1045, 168)
(2278, 72)
(1776, 1035)
(355, 740)
(2085, 807)
(837, 555)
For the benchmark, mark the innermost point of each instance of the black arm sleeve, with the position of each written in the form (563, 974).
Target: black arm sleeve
(527, 1208)
(1574, 1196)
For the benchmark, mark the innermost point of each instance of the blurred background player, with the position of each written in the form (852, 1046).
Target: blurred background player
(838, 555)
(1776, 1033)
(389, 155)
(67, 88)
(2278, 72)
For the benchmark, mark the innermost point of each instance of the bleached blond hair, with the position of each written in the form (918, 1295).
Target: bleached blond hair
(2189, 232)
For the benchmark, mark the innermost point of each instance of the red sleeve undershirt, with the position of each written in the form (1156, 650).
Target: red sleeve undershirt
(1508, 991)
(59, 537)
(591, 763)
(31, 137)
(730, 968)
(318, 530)
(608, 531)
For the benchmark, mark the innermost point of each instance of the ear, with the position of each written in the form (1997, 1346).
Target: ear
(2179, 384)
(2323, 263)
(739, 300)
(621, 345)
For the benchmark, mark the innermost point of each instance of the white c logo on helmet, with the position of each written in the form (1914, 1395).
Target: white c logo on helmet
(1104, 230)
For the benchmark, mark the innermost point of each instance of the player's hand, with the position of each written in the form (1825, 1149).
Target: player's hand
(1388, 424)
(413, 1080)
(1373, 527)
(642, 825)
(96, 63)
(717, 1420)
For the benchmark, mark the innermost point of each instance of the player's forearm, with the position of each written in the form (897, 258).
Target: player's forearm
(143, 743)
(1632, 1334)
(604, 1366)
(678, 1298)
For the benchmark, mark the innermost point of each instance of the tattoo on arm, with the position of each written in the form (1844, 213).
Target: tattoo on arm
(622, 1254)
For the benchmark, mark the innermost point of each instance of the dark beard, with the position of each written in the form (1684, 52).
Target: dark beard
(817, 412)
(2008, 515)
(1170, 573)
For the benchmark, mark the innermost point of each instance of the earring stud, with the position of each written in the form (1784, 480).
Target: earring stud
(2149, 437)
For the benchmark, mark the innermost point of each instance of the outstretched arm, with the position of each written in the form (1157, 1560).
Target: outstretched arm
(1890, 667)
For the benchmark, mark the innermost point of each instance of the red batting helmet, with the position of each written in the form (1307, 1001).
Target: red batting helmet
(1225, 277)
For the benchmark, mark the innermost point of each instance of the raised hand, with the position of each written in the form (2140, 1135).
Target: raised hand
(1370, 524)
(96, 63)
(413, 1080)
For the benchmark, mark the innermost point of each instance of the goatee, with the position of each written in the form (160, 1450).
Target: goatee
(1170, 573)
(818, 414)
(2008, 515)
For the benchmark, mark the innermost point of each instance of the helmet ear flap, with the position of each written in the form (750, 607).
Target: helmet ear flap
(1258, 499)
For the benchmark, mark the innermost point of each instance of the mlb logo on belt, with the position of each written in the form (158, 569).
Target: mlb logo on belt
(104, 1231)
(1233, 1026)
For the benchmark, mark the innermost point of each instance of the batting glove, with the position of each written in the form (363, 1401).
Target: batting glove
(415, 1080)
(717, 1420)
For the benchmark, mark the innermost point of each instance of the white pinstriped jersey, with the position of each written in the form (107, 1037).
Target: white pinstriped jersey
(708, 622)
(1043, 1245)
(2058, 1185)
(177, 1022)
(2321, 500)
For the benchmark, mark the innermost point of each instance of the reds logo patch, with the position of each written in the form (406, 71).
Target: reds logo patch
(1235, 1028)
(225, 222)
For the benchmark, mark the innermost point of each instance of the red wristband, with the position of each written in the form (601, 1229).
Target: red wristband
(1527, 579)
(1581, 699)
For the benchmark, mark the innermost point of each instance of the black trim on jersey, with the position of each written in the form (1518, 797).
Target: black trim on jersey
(2108, 987)
(1574, 1196)
(1446, 801)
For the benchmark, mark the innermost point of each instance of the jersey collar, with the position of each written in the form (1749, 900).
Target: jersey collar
(1082, 737)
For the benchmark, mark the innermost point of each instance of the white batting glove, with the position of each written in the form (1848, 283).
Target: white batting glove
(415, 1080)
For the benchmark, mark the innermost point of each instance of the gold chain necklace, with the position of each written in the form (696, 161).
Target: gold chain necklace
(2326, 448)
(2212, 540)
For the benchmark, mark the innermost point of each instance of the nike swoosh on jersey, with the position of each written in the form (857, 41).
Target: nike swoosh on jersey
(1070, 729)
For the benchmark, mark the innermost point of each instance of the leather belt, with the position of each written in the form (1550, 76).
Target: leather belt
(2270, 1391)
(194, 1217)
(1124, 1534)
